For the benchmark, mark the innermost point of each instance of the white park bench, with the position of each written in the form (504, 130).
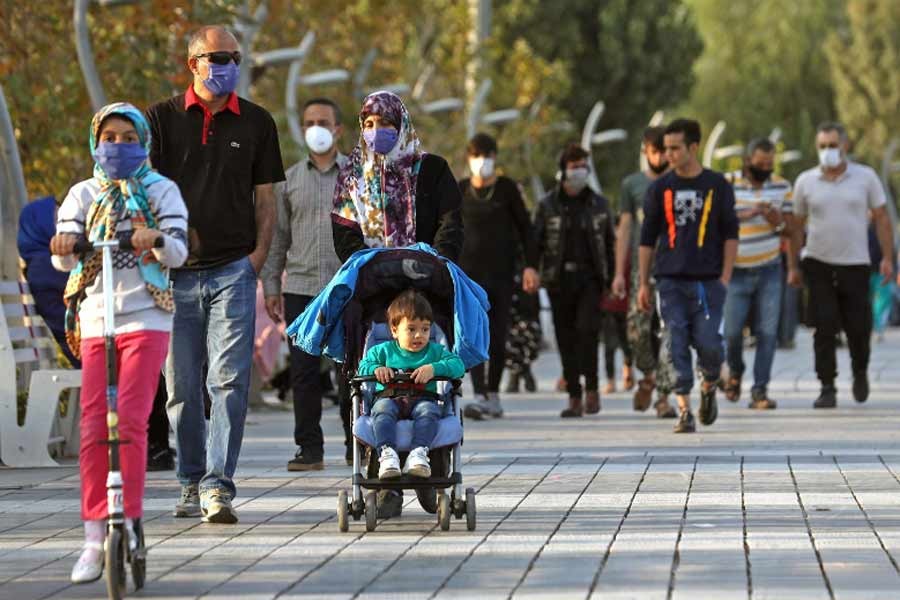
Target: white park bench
(27, 357)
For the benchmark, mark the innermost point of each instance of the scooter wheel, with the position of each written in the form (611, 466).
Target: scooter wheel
(139, 558)
(343, 511)
(115, 564)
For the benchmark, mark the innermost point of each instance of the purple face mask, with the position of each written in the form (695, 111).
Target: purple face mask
(222, 78)
(381, 141)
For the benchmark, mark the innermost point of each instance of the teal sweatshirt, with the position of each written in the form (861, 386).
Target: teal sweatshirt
(390, 354)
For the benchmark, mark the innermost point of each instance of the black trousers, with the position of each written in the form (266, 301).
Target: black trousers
(158, 423)
(306, 386)
(839, 298)
(576, 318)
(500, 297)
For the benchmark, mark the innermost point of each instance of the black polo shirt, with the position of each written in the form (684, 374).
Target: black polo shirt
(216, 160)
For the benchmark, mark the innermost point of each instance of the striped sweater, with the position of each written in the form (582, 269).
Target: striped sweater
(758, 242)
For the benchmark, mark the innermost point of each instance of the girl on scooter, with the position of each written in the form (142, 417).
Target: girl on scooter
(125, 199)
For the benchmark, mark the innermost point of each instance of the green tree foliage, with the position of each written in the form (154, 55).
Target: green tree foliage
(865, 69)
(764, 67)
(635, 56)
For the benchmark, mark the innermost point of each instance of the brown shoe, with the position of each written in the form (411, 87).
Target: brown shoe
(610, 387)
(561, 384)
(644, 395)
(732, 389)
(591, 403)
(574, 409)
(760, 401)
(664, 410)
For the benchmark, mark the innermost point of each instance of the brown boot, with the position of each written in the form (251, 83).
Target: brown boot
(592, 402)
(574, 409)
(664, 410)
(644, 395)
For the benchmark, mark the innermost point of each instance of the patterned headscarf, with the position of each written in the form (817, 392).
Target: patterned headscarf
(378, 192)
(116, 196)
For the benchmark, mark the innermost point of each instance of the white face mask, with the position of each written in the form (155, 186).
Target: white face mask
(481, 166)
(830, 157)
(577, 178)
(318, 139)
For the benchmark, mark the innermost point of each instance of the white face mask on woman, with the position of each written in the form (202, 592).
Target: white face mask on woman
(481, 166)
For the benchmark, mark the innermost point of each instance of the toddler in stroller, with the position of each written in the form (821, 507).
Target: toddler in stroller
(414, 396)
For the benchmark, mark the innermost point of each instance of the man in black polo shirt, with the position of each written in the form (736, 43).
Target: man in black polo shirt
(222, 151)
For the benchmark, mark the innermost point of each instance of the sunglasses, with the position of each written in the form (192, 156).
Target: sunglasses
(221, 58)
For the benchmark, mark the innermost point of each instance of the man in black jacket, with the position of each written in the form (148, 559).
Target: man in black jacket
(575, 244)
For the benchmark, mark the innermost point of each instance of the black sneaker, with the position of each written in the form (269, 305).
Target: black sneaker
(827, 397)
(306, 462)
(685, 423)
(709, 410)
(160, 459)
(390, 503)
(861, 387)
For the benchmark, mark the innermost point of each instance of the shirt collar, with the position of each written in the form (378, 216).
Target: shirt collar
(337, 163)
(192, 99)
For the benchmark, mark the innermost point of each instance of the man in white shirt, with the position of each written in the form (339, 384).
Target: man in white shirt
(834, 201)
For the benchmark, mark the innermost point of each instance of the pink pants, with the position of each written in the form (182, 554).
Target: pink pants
(140, 357)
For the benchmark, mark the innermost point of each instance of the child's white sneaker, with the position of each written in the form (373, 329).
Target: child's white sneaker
(417, 463)
(389, 464)
(90, 564)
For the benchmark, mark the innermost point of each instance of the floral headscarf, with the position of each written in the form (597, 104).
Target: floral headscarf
(378, 192)
(128, 195)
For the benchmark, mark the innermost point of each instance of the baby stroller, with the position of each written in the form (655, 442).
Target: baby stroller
(378, 282)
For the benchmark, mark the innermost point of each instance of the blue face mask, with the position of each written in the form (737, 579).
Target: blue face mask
(222, 78)
(381, 141)
(120, 161)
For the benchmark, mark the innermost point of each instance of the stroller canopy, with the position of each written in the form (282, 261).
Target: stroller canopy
(335, 321)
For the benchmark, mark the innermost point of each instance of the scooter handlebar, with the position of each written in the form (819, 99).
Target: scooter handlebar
(83, 246)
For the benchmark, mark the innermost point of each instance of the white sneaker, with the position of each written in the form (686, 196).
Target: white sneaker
(90, 564)
(417, 463)
(389, 464)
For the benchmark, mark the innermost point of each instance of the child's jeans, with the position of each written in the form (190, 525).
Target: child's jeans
(424, 412)
(140, 359)
(692, 312)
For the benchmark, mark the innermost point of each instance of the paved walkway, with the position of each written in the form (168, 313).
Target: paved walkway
(788, 504)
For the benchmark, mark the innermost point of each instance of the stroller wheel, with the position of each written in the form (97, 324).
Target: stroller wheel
(343, 511)
(427, 499)
(470, 509)
(443, 511)
(371, 511)
(139, 557)
(115, 563)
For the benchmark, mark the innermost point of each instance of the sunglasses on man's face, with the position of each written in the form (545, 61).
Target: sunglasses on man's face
(221, 58)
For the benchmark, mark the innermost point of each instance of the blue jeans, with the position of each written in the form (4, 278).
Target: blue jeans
(754, 293)
(692, 311)
(425, 414)
(215, 318)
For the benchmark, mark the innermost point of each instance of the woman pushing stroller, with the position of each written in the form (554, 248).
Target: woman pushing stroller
(124, 200)
(410, 318)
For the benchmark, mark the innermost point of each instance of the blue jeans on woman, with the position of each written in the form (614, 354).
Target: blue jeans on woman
(215, 319)
(424, 412)
(692, 312)
(753, 293)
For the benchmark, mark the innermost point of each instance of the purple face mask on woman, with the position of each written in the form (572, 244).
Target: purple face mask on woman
(381, 141)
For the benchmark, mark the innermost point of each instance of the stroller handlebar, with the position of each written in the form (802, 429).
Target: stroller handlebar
(399, 377)
(83, 246)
